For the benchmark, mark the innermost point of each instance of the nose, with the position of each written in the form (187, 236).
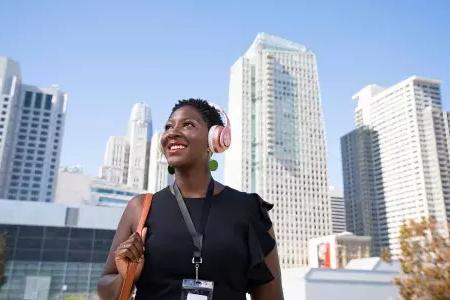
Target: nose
(171, 133)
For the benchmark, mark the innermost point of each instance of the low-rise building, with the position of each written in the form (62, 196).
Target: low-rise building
(368, 279)
(75, 188)
(336, 250)
(53, 250)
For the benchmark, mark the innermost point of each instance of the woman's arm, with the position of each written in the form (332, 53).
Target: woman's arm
(110, 283)
(273, 289)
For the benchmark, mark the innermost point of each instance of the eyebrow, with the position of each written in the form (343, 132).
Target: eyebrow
(184, 119)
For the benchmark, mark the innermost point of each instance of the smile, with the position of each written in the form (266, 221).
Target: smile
(175, 147)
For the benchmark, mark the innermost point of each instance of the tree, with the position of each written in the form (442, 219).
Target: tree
(424, 260)
(2, 258)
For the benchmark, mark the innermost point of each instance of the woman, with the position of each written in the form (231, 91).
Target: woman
(238, 249)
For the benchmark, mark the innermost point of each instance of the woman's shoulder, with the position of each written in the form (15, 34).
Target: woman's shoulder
(137, 202)
(251, 201)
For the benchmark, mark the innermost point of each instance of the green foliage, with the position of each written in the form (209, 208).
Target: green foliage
(425, 261)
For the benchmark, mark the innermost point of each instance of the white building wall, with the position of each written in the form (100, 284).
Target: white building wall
(342, 284)
(237, 156)
(58, 215)
(10, 84)
(73, 188)
(278, 148)
(408, 131)
(139, 136)
(31, 132)
(158, 175)
(32, 213)
(76, 189)
(115, 162)
(126, 159)
(338, 220)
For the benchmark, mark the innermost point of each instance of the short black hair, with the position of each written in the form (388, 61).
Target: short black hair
(209, 113)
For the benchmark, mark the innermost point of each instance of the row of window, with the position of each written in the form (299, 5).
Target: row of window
(39, 100)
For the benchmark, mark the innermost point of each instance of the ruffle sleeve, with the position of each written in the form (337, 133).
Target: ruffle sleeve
(260, 242)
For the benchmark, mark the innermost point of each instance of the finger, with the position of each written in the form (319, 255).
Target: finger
(136, 251)
(138, 240)
(125, 251)
(144, 234)
(125, 254)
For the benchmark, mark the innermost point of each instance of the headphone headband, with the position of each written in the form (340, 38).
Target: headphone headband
(221, 112)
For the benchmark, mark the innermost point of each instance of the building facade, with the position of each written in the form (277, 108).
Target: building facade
(336, 250)
(278, 148)
(158, 175)
(126, 159)
(115, 161)
(53, 251)
(367, 278)
(33, 126)
(338, 221)
(359, 190)
(409, 157)
(76, 189)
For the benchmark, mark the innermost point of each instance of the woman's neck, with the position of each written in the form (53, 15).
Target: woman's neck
(193, 182)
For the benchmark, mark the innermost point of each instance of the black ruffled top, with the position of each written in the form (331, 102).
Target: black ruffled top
(235, 244)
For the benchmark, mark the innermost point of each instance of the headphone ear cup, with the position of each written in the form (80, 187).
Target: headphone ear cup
(225, 138)
(212, 139)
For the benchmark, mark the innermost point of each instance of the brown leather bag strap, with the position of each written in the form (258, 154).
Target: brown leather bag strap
(131, 269)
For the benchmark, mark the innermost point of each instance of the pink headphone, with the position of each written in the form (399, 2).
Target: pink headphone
(219, 137)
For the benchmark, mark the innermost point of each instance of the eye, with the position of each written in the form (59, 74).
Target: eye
(167, 127)
(188, 124)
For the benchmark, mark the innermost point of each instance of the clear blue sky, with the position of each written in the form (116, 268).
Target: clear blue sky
(108, 55)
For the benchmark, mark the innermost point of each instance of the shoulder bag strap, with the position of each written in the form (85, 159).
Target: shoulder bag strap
(131, 270)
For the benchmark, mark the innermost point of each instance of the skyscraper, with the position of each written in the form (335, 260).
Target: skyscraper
(158, 176)
(31, 131)
(409, 158)
(126, 158)
(139, 136)
(337, 211)
(10, 82)
(357, 160)
(278, 148)
(115, 161)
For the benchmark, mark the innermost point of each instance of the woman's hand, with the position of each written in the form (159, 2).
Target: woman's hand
(132, 250)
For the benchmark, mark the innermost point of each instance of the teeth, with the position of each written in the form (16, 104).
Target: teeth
(175, 147)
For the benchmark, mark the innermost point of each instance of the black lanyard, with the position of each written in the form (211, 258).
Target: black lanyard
(197, 237)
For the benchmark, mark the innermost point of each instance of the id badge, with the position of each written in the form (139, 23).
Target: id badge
(197, 289)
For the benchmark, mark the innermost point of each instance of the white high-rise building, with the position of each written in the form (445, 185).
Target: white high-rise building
(126, 158)
(278, 148)
(115, 162)
(409, 155)
(31, 131)
(139, 136)
(158, 176)
(10, 82)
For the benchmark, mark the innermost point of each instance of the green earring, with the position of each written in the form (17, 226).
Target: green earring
(171, 170)
(213, 165)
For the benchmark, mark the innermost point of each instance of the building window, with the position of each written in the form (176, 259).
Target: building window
(38, 101)
(28, 96)
(48, 102)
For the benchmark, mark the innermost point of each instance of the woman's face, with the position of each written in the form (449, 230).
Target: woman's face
(185, 139)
